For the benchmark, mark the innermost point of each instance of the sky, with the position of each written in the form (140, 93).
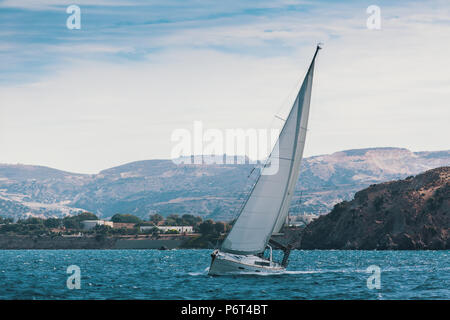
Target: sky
(115, 90)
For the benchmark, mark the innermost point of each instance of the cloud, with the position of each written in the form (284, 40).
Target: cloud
(115, 93)
(56, 4)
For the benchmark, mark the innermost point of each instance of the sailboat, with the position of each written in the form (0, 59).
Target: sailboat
(264, 212)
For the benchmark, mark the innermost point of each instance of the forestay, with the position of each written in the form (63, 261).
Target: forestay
(267, 206)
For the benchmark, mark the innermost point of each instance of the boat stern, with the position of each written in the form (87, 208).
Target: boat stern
(228, 264)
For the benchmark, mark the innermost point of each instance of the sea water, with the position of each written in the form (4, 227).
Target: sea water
(182, 274)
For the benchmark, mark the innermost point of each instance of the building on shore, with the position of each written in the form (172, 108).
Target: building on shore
(76, 235)
(91, 224)
(180, 229)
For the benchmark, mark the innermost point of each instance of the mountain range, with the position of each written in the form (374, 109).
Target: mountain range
(213, 191)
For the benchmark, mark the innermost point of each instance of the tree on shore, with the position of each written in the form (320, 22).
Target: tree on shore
(155, 218)
(52, 223)
(211, 234)
(125, 218)
(6, 220)
(191, 220)
(74, 222)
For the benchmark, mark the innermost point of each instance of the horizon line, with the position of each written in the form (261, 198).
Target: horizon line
(207, 155)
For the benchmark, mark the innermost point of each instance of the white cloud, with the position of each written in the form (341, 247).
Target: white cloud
(53, 4)
(204, 5)
(372, 88)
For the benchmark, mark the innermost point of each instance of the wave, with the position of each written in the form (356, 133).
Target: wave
(202, 273)
(280, 273)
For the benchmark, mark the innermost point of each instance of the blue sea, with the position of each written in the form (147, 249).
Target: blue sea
(182, 274)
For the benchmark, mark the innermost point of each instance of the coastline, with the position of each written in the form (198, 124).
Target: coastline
(88, 243)
(118, 243)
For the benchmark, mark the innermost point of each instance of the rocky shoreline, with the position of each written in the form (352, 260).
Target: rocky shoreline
(409, 214)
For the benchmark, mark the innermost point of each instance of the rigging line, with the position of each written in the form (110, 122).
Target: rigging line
(244, 194)
(283, 158)
(241, 208)
(299, 82)
(299, 202)
(295, 89)
(260, 174)
(267, 159)
(252, 171)
(308, 78)
(265, 165)
(293, 93)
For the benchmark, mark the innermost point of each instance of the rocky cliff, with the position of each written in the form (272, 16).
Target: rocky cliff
(408, 214)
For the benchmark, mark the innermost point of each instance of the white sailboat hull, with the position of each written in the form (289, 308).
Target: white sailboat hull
(227, 264)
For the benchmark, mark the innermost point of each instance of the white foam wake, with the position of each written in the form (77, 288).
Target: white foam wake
(202, 273)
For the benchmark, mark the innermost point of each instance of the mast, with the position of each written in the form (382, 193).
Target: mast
(267, 205)
(300, 134)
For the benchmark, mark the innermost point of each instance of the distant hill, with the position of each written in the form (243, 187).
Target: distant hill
(212, 191)
(408, 214)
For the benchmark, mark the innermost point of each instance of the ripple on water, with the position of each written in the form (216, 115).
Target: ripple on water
(183, 274)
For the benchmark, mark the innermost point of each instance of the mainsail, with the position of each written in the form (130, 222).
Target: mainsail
(267, 206)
